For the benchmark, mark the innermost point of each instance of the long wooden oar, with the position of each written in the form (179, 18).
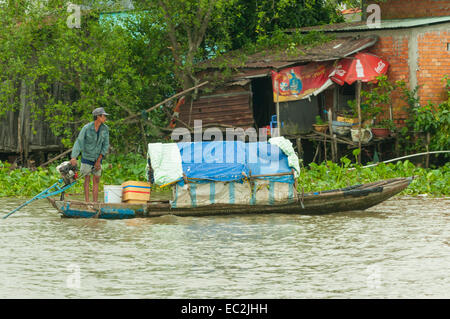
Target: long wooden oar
(55, 189)
(38, 196)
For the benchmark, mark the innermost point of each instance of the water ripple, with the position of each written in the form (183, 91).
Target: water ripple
(399, 249)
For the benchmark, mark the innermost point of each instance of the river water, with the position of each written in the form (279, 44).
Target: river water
(398, 249)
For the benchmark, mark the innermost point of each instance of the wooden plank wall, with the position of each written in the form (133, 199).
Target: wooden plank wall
(21, 134)
(232, 106)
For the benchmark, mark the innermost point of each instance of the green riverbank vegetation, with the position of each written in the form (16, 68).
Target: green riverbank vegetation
(328, 175)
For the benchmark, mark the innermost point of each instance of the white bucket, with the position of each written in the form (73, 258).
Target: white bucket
(366, 135)
(113, 193)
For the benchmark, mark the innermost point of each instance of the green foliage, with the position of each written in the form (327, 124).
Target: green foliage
(257, 21)
(386, 124)
(329, 175)
(374, 98)
(124, 167)
(200, 30)
(425, 122)
(23, 182)
(291, 43)
(356, 153)
(121, 168)
(319, 120)
(124, 66)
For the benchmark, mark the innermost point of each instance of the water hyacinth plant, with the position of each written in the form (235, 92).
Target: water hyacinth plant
(328, 175)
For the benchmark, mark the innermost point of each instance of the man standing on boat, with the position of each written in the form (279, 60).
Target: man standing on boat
(92, 143)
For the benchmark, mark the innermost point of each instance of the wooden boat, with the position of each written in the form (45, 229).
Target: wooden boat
(353, 198)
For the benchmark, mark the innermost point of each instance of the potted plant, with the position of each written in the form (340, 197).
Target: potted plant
(369, 111)
(374, 98)
(348, 116)
(320, 125)
(383, 128)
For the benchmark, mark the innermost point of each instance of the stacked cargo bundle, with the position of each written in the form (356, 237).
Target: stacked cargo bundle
(226, 172)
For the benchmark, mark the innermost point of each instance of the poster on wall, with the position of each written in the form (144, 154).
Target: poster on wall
(298, 82)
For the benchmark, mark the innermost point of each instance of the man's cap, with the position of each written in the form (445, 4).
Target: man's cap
(99, 111)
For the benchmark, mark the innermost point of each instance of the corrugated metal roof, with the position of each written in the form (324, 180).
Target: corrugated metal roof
(262, 63)
(384, 24)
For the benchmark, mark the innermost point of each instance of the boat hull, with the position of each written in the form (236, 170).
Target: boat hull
(357, 197)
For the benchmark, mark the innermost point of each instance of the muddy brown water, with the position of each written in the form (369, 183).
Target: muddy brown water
(398, 249)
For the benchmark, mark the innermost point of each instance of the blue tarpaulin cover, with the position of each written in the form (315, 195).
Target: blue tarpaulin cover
(227, 161)
(265, 159)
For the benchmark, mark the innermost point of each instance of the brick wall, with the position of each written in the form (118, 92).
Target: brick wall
(394, 49)
(401, 9)
(433, 64)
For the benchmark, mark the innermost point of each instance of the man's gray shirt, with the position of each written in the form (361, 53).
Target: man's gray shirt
(91, 143)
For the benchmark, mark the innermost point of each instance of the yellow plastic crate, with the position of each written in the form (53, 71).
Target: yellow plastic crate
(135, 192)
(347, 120)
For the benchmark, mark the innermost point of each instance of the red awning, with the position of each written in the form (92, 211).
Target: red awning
(300, 82)
(364, 67)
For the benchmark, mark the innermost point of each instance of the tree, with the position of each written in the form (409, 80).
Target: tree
(252, 20)
(122, 66)
(185, 24)
(199, 30)
(127, 62)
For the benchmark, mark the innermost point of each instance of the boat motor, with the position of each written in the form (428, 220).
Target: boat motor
(68, 172)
